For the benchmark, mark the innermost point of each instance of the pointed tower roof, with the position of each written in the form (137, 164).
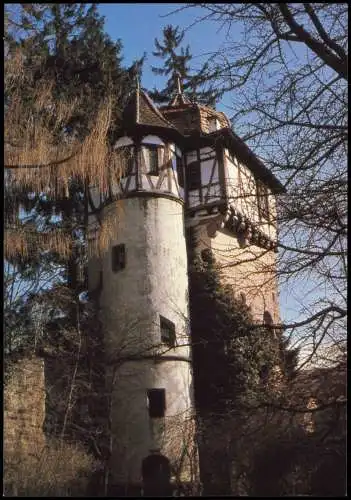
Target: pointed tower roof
(140, 110)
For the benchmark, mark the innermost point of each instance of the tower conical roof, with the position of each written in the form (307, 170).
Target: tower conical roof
(140, 110)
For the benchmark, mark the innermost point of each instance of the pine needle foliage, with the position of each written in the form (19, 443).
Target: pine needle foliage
(176, 61)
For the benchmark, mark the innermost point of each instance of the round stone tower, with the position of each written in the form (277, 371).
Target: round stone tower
(142, 275)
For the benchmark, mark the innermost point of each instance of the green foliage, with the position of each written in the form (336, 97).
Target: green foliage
(176, 60)
(288, 357)
(230, 352)
(63, 48)
(67, 44)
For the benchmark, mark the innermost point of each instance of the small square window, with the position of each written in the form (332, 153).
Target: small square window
(118, 257)
(194, 175)
(156, 402)
(168, 335)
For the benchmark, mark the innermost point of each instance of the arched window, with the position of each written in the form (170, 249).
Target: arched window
(156, 473)
(267, 318)
(242, 298)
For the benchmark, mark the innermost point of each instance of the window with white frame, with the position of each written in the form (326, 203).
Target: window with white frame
(152, 159)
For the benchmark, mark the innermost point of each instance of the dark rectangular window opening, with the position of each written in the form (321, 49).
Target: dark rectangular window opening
(262, 201)
(118, 257)
(168, 335)
(194, 175)
(156, 402)
(152, 152)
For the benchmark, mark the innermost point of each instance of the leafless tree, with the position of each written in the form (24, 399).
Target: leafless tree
(285, 69)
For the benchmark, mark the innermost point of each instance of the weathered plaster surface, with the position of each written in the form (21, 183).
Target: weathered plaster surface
(250, 270)
(153, 282)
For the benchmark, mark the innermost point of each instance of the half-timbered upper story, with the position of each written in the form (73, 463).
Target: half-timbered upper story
(222, 174)
(146, 159)
(149, 149)
(189, 151)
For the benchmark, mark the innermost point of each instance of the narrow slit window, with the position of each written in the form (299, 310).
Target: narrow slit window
(156, 402)
(262, 200)
(194, 175)
(168, 335)
(118, 257)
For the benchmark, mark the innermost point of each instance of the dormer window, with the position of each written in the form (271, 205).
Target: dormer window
(152, 158)
(262, 200)
(213, 125)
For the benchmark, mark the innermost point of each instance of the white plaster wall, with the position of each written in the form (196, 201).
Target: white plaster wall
(154, 282)
(241, 191)
(135, 434)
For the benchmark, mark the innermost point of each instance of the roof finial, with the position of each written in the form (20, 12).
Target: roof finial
(179, 98)
(137, 111)
(179, 82)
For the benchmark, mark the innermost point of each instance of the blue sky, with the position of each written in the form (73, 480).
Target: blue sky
(139, 24)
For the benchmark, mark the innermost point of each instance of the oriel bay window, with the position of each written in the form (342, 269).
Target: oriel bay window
(262, 200)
